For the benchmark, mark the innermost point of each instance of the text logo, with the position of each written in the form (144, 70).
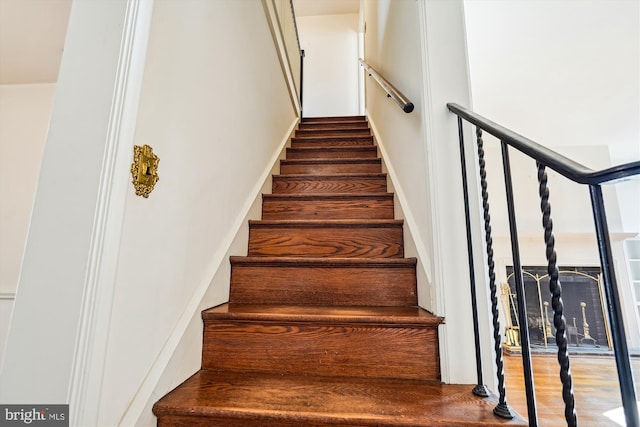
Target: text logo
(34, 415)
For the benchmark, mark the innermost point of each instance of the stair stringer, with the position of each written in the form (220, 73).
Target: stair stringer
(182, 352)
(415, 246)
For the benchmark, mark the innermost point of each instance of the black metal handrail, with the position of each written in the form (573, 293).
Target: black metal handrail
(556, 161)
(578, 173)
(392, 92)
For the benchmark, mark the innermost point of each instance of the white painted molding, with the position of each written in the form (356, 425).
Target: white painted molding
(7, 296)
(442, 32)
(278, 39)
(154, 375)
(409, 219)
(427, 119)
(90, 351)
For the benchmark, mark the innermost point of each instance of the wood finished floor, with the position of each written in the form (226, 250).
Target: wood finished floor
(595, 387)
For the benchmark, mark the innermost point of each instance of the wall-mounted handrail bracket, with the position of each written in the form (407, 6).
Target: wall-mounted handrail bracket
(404, 103)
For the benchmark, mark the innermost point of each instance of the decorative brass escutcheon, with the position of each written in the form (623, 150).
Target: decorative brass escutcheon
(144, 170)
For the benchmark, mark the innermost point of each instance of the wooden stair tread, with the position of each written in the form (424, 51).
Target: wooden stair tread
(333, 118)
(333, 133)
(331, 176)
(348, 151)
(323, 262)
(327, 223)
(332, 138)
(293, 400)
(364, 147)
(328, 196)
(323, 314)
(333, 125)
(350, 160)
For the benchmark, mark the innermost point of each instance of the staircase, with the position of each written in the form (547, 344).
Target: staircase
(322, 327)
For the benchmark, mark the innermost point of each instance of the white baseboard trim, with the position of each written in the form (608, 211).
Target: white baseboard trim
(146, 389)
(409, 219)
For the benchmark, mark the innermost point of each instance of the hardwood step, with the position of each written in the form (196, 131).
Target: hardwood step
(384, 282)
(329, 166)
(343, 183)
(358, 124)
(330, 141)
(259, 399)
(322, 340)
(327, 206)
(325, 119)
(365, 151)
(333, 132)
(337, 238)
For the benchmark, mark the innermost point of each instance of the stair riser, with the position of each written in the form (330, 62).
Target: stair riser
(286, 185)
(352, 350)
(330, 168)
(354, 286)
(333, 133)
(374, 242)
(330, 142)
(341, 208)
(328, 153)
(333, 125)
(334, 119)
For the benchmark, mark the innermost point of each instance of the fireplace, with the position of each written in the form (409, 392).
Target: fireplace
(586, 320)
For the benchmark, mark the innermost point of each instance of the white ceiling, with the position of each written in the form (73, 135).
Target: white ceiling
(32, 34)
(325, 7)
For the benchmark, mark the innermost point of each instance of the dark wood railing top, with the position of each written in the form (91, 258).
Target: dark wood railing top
(556, 161)
(392, 92)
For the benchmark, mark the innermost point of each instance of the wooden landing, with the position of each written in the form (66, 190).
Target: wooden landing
(233, 399)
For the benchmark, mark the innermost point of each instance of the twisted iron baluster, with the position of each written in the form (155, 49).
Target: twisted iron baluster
(502, 410)
(556, 302)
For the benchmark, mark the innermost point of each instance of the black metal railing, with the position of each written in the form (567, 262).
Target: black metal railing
(392, 92)
(545, 158)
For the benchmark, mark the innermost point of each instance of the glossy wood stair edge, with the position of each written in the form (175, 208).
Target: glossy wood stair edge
(259, 399)
(404, 315)
(323, 119)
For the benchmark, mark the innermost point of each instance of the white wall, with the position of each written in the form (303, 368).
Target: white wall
(564, 74)
(24, 121)
(215, 108)
(330, 43)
